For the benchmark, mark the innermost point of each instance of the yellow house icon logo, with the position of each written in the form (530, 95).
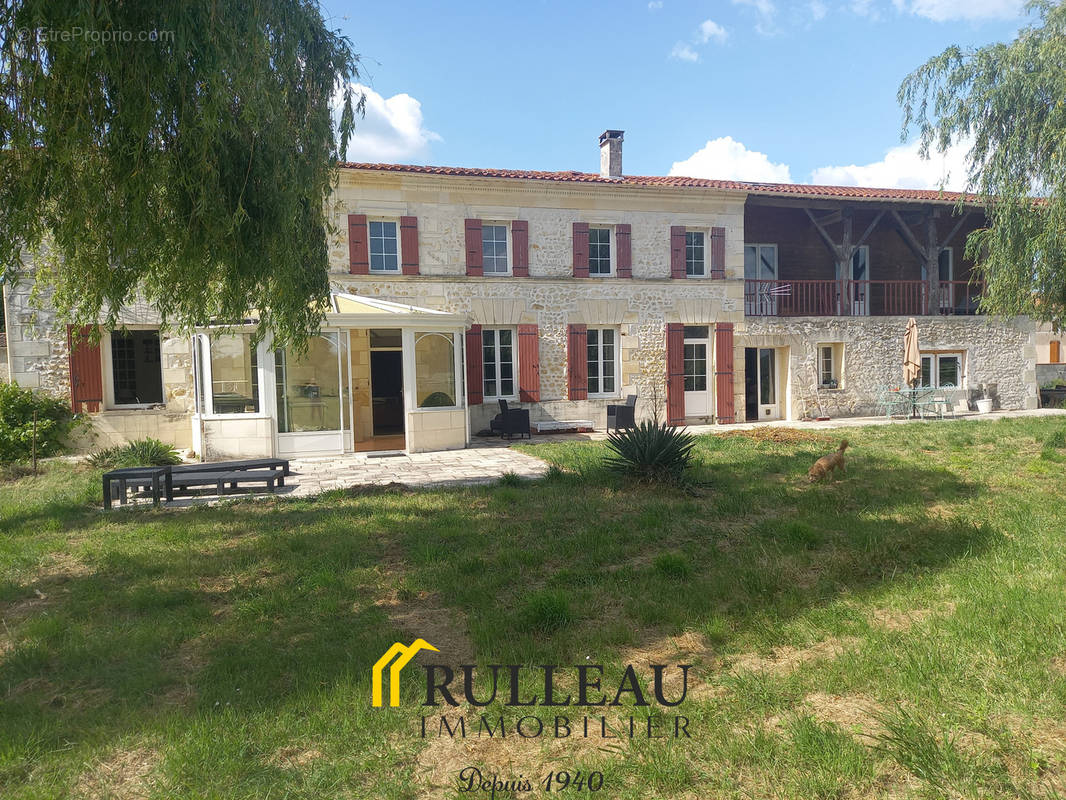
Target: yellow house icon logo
(405, 653)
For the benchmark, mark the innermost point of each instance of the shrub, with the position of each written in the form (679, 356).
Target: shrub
(54, 423)
(650, 452)
(511, 478)
(146, 452)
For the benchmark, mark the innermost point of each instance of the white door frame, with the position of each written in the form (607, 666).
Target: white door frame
(768, 411)
(700, 403)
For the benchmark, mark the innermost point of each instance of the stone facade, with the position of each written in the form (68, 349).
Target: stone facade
(551, 297)
(999, 358)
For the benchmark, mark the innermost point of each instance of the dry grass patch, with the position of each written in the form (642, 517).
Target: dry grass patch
(423, 616)
(125, 775)
(854, 713)
(294, 757)
(785, 659)
(903, 620)
(686, 648)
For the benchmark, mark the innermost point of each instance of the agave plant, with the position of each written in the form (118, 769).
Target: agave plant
(148, 452)
(650, 451)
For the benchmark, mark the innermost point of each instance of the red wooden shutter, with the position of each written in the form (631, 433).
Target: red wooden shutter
(717, 252)
(723, 371)
(474, 374)
(677, 251)
(86, 377)
(474, 254)
(358, 254)
(520, 248)
(581, 249)
(577, 367)
(409, 244)
(675, 373)
(528, 364)
(625, 250)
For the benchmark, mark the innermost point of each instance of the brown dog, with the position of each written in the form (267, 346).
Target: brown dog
(826, 464)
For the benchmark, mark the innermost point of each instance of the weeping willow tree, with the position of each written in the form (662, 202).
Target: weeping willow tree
(1009, 100)
(177, 153)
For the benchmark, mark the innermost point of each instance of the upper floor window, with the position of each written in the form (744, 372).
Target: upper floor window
(695, 264)
(494, 249)
(599, 251)
(497, 359)
(384, 247)
(602, 345)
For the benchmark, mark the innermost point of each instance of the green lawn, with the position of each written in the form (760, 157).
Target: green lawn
(900, 632)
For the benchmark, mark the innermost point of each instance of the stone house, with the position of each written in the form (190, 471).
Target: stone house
(711, 301)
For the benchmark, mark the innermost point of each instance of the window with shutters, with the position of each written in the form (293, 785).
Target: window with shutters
(134, 369)
(498, 363)
(494, 256)
(695, 254)
(600, 251)
(384, 246)
(603, 367)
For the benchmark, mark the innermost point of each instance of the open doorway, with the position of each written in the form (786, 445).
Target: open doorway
(386, 386)
(760, 384)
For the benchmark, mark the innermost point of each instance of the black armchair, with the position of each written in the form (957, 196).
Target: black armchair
(511, 422)
(619, 417)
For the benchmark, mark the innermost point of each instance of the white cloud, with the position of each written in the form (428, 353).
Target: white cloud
(655, 5)
(765, 13)
(392, 131)
(944, 10)
(709, 29)
(727, 159)
(902, 167)
(684, 52)
(818, 9)
(867, 8)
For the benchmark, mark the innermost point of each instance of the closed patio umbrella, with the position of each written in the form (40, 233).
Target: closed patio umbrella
(912, 362)
(912, 357)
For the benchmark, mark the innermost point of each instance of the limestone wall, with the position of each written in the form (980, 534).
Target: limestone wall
(999, 356)
(38, 359)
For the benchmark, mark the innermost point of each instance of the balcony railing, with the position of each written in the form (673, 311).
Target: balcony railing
(848, 298)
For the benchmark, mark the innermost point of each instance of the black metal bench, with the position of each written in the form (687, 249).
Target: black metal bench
(162, 481)
(271, 478)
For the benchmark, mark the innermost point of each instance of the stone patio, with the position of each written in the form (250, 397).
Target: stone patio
(476, 465)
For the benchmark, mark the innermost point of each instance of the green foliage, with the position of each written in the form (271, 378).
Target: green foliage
(673, 566)
(546, 610)
(650, 452)
(438, 400)
(147, 452)
(188, 166)
(54, 423)
(511, 478)
(1007, 99)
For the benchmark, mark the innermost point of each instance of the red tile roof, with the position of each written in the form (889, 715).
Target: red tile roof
(802, 189)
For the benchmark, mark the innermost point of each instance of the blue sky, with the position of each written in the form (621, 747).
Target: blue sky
(749, 89)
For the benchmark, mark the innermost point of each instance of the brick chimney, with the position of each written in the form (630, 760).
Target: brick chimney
(611, 154)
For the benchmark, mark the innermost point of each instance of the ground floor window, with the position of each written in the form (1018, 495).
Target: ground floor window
(233, 372)
(942, 370)
(435, 370)
(695, 357)
(497, 359)
(602, 346)
(136, 368)
(830, 358)
(311, 386)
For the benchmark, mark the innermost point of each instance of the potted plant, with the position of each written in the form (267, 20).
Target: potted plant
(984, 402)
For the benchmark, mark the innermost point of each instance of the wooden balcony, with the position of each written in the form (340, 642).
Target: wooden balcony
(848, 298)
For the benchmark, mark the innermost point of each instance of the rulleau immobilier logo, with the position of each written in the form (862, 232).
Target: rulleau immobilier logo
(449, 686)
